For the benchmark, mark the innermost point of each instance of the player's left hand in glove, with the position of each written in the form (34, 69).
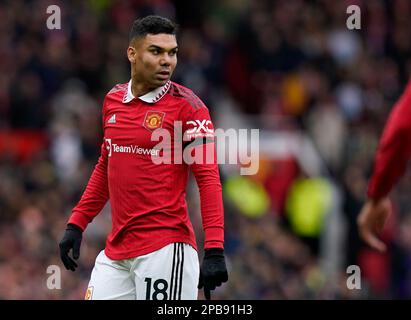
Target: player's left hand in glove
(213, 271)
(71, 240)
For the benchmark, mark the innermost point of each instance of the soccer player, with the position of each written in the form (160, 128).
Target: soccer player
(151, 251)
(392, 155)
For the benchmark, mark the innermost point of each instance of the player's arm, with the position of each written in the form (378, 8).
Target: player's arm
(205, 169)
(94, 197)
(391, 159)
(394, 149)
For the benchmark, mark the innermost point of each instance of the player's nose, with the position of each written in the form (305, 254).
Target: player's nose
(165, 60)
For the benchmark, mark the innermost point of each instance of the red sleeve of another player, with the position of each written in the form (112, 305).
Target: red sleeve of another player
(95, 195)
(394, 149)
(199, 129)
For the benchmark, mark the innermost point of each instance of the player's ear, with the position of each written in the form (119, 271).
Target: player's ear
(131, 54)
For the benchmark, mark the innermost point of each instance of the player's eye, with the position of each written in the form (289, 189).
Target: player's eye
(155, 51)
(173, 53)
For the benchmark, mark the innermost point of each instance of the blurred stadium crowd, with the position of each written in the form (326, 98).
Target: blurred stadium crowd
(318, 92)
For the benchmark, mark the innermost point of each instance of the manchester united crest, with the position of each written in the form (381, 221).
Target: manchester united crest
(153, 120)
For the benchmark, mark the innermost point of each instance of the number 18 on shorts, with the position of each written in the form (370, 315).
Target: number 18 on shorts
(170, 273)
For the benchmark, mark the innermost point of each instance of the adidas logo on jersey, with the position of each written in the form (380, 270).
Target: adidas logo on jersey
(112, 119)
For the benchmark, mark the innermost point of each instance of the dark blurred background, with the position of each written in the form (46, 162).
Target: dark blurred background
(319, 93)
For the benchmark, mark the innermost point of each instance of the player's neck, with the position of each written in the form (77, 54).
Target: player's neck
(139, 89)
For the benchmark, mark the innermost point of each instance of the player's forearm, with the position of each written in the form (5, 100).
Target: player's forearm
(94, 197)
(390, 164)
(212, 209)
(394, 149)
(213, 216)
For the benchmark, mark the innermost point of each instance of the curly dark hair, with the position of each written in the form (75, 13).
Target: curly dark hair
(152, 25)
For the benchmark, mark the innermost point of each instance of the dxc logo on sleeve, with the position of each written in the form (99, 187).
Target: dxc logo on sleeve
(199, 125)
(199, 128)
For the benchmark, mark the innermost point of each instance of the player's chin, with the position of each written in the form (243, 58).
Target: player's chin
(160, 82)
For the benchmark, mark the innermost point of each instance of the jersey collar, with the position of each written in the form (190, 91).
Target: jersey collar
(150, 97)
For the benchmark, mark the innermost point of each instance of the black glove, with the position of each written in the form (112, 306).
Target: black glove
(71, 240)
(213, 271)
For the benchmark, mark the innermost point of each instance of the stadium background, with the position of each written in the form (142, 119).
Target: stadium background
(318, 92)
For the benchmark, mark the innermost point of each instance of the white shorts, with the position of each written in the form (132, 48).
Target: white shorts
(170, 273)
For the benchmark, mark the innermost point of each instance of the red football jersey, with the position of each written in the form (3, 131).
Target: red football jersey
(394, 149)
(148, 205)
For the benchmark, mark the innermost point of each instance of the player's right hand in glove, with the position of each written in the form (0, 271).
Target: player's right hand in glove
(213, 271)
(71, 240)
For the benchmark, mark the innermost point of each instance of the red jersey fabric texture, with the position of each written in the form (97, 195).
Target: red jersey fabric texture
(394, 149)
(148, 205)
